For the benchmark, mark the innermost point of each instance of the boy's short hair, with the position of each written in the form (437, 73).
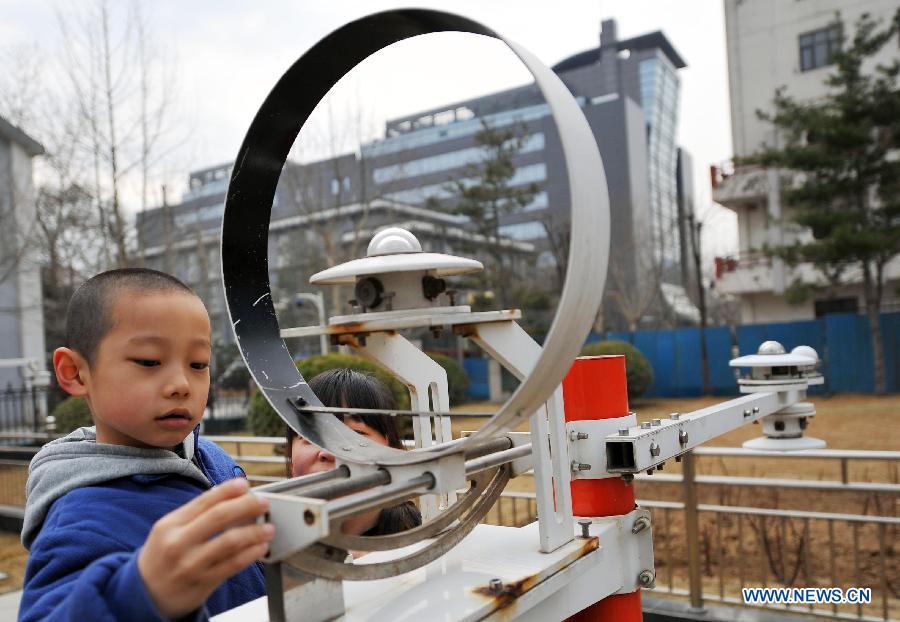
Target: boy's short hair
(89, 316)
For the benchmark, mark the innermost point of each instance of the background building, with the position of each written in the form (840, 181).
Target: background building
(21, 312)
(628, 91)
(773, 44)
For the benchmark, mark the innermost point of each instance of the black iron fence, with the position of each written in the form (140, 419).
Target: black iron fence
(24, 409)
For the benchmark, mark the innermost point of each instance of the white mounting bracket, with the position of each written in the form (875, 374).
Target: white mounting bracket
(587, 453)
(653, 442)
(299, 522)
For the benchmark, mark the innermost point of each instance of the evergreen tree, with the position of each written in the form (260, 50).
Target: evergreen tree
(843, 174)
(484, 193)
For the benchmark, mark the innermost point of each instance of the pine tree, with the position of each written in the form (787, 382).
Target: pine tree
(485, 192)
(840, 156)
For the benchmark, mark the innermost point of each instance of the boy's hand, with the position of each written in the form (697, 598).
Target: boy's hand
(182, 563)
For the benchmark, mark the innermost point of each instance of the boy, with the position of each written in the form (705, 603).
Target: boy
(140, 519)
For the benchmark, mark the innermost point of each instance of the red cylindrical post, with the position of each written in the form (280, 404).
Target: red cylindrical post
(595, 388)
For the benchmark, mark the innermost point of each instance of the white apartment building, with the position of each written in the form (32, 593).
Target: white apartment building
(22, 352)
(774, 43)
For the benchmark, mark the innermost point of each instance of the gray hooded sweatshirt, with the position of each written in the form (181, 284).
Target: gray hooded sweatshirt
(78, 460)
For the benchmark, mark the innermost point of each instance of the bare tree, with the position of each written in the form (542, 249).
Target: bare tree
(123, 92)
(634, 276)
(332, 192)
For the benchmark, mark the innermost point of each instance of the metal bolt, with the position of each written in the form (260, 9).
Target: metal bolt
(582, 436)
(675, 416)
(647, 578)
(645, 425)
(650, 471)
(627, 478)
(623, 431)
(640, 524)
(346, 448)
(363, 444)
(683, 438)
(654, 449)
(580, 466)
(657, 422)
(677, 458)
(747, 412)
(585, 527)
(577, 436)
(659, 467)
(495, 586)
(756, 410)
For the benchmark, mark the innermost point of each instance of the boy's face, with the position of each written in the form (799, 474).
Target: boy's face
(150, 378)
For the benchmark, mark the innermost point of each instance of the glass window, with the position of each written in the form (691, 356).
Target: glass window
(447, 161)
(335, 186)
(524, 231)
(817, 48)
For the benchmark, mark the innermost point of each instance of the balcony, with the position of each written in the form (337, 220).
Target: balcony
(744, 273)
(736, 187)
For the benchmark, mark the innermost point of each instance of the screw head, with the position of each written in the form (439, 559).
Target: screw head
(585, 524)
(582, 436)
(747, 412)
(645, 425)
(683, 438)
(675, 416)
(640, 524)
(495, 586)
(756, 410)
(623, 431)
(647, 578)
(654, 449)
(346, 448)
(657, 422)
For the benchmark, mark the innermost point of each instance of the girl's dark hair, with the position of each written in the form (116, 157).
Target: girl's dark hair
(353, 389)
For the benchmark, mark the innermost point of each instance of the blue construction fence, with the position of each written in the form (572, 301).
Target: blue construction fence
(842, 341)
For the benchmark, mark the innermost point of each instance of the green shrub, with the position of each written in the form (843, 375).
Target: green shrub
(638, 372)
(457, 378)
(262, 420)
(72, 413)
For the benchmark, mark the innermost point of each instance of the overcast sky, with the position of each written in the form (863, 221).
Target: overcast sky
(229, 53)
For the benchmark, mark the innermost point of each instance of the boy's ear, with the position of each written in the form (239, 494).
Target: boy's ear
(68, 365)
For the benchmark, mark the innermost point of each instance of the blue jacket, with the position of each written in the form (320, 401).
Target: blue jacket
(85, 542)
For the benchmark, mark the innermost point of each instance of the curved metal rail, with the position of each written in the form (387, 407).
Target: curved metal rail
(248, 209)
(327, 561)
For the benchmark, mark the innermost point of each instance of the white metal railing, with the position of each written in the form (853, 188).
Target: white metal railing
(756, 546)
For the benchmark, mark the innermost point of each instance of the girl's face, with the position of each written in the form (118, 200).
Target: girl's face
(306, 458)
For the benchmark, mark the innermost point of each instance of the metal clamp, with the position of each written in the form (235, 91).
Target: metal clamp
(587, 444)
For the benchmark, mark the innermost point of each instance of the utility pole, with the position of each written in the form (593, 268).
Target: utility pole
(695, 228)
